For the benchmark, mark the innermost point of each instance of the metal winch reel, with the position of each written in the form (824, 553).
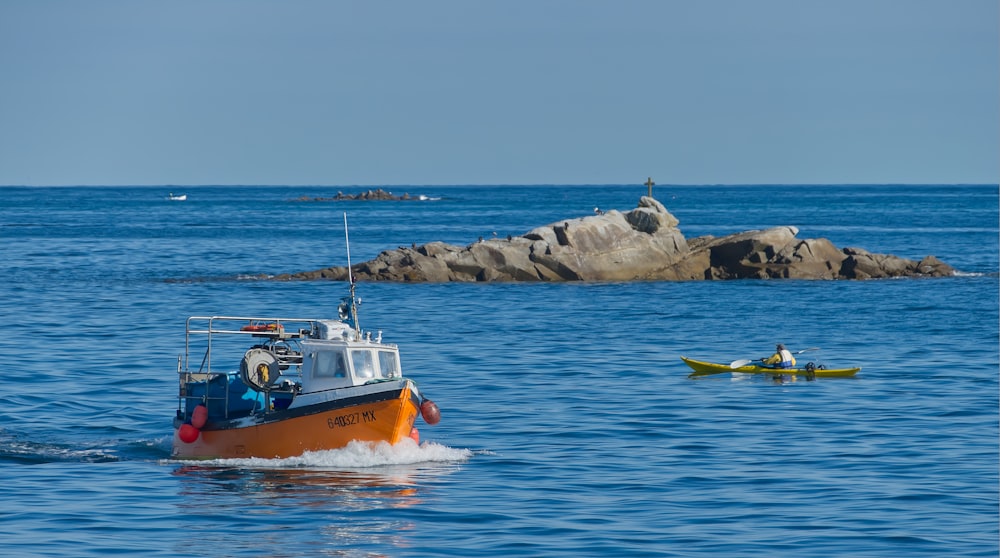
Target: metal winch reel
(259, 369)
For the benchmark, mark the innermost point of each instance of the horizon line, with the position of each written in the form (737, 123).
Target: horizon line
(460, 185)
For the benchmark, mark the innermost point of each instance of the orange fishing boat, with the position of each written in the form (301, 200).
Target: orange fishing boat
(302, 385)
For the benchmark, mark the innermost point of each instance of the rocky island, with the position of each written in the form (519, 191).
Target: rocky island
(377, 195)
(643, 244)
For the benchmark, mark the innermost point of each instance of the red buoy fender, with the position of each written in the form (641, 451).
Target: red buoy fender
(188, 433)
(430, 412)
(199, 416)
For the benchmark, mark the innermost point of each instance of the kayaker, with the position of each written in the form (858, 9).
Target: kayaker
(782, 358)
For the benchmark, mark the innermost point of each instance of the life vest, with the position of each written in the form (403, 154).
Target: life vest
(787, 360)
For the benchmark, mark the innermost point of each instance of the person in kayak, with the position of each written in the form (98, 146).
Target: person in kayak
(782, 358)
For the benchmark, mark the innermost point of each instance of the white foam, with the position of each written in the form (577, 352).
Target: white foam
(356, 455)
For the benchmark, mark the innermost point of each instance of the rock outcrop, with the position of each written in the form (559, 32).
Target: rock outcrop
(378, 195)
(641, 245)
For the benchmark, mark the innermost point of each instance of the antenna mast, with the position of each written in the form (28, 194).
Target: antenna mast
(350, 278)
(347, 240)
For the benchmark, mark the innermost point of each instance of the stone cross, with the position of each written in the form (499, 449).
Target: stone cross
(649, 185)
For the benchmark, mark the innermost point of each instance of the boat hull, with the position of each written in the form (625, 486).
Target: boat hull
(701, 368)
(386, 416)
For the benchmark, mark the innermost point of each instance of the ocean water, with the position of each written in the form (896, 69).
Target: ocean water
(569, 425)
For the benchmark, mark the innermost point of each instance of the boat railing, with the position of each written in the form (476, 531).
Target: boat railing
(204, 334)
(267, 328)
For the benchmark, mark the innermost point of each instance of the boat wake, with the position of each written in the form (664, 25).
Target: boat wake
(355, 455)
(14, 448)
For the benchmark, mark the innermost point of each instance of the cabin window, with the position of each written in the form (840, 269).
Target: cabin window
(329, 364)
(364, 365)
(388, 362)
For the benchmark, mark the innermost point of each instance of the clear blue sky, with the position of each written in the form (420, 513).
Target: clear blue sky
(123, 92)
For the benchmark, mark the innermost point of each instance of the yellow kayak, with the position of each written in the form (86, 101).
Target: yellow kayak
(702, 368)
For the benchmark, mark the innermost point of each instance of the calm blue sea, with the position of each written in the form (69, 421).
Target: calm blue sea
(569, 426)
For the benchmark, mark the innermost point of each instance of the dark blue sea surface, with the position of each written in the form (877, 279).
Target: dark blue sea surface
(569, 425)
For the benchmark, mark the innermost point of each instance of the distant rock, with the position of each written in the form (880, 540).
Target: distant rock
(641, 245)
(379, 194)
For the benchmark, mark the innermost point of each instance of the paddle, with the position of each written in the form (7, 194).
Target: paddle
(743, 362)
